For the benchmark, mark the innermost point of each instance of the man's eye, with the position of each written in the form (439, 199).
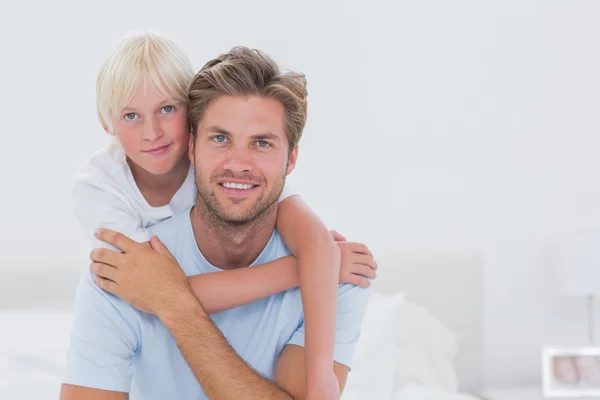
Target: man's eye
(168, 109)
(220, 139)
(130, 116)
(262, 143)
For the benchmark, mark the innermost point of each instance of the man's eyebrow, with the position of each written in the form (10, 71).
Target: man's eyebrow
(258, 136)
(217, 129)
(265, 136)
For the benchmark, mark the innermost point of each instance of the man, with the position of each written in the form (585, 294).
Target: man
(246, 120)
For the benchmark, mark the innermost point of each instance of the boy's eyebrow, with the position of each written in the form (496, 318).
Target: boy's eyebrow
(161, 104)
(259, 136)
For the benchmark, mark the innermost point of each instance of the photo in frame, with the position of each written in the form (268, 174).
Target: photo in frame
(571, 372)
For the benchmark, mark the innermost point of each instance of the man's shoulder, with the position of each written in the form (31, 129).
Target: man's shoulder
(352, 297)
(91, 300)
(274, 249)
(172, 224)
(173, 232)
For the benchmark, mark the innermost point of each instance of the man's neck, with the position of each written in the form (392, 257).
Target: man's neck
(229, 246)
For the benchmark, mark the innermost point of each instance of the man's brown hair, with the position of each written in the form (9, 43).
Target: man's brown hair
(249, 72)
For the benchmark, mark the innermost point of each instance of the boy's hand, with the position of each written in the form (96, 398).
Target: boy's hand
(337, 236)
(145, 275)
(357, 264)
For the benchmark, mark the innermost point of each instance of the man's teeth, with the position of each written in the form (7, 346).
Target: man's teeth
(231, 185)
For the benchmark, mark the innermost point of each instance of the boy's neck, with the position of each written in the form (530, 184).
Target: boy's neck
(158, 190)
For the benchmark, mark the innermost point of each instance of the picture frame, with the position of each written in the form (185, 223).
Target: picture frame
(571, 372)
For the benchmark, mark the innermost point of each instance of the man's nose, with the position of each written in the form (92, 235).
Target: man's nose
(239, 161)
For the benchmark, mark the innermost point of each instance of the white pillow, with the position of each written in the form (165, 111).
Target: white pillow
(372, 374)
(425, 350)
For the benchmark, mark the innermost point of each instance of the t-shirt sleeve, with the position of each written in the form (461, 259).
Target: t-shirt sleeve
(104, 338)
(287, 192)
(351, 305)
(97, 208)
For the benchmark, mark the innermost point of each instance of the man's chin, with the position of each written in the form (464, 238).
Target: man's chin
(238, 211)
(236, 218)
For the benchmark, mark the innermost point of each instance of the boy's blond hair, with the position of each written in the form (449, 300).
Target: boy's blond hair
(141, 58)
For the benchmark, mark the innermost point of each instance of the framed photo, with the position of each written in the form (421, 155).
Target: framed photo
(571, 372)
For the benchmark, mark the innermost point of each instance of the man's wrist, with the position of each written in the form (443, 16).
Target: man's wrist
(181, 307)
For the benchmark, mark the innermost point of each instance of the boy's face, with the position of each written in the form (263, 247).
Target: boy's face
(153, 130)
(241, 156)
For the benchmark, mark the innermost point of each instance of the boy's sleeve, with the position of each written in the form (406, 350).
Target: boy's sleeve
(105, 336)
(351, 306)
(96, 208)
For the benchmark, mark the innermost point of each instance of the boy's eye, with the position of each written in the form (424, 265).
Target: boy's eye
(130, 116)
(263, 143)
(168, 109)
(220, 139)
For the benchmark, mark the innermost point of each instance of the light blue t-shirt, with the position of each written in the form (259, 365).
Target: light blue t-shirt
(116, 347)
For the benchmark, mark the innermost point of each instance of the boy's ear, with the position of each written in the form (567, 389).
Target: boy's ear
(105, 127)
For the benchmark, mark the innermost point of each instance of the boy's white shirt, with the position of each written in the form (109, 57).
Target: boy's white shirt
(104, 194)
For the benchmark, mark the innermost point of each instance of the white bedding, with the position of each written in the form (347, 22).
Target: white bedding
(404, 353)
(407, 394)
(33, 348)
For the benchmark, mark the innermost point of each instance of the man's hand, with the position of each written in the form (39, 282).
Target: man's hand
(146, 276)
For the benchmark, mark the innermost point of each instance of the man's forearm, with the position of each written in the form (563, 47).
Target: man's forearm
(222, 374)
(220, 291)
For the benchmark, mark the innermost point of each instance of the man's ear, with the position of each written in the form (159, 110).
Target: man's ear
(191, 149)
(292, 160)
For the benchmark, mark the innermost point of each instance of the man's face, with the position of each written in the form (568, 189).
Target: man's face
(241, 156)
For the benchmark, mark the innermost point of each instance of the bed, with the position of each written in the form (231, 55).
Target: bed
(424, 323)
(421, 336)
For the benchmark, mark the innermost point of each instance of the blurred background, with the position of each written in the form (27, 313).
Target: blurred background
(432, 124)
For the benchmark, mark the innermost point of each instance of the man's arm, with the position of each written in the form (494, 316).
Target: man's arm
(70, 392)
(291, 361)
(103, 340)
(222, 374)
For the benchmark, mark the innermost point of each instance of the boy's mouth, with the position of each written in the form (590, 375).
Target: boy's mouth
(157, 150)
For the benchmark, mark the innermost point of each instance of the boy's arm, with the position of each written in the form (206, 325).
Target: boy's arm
(220, 291)
(96, 208)
(318, 267)
(351, 305)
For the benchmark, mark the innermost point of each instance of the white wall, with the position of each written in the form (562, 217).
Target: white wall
(462, 124)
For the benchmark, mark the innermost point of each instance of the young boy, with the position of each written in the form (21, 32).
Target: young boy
(146, 177)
